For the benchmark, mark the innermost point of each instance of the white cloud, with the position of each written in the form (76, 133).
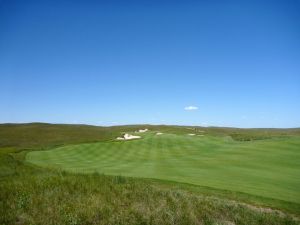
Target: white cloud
(189, 108)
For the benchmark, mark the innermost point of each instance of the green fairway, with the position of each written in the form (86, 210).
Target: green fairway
(268, 168)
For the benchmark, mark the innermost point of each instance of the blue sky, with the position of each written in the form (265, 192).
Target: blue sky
(126, 62)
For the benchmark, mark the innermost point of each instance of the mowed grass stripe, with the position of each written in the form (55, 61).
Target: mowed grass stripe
(268, 168)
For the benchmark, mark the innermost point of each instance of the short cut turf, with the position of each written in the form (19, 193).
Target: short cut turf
(268, 168)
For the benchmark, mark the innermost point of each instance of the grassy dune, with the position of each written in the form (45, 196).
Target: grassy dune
(258, 186)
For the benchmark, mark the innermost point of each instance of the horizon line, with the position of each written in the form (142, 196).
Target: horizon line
(145, 124)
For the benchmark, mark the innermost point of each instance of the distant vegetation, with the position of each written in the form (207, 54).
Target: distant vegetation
(36, 195)
(42, 135)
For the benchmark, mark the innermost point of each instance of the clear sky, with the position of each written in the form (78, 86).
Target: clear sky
(212, 63)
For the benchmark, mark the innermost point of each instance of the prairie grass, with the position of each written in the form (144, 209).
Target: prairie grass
(57, 197)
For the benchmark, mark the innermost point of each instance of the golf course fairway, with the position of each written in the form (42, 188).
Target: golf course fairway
(267, 168)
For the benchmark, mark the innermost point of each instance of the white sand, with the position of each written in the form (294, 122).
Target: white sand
(158, 133)
(128, 137)
(191, 134)
(143, 131)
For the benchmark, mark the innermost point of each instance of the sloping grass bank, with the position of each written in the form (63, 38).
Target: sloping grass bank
(56, 197)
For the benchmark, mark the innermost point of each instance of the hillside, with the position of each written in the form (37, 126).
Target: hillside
(39, 135)
(30, 193)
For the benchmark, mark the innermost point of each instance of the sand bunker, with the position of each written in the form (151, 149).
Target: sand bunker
(128, 137)
(159, 133)
(142, 131)
(191, 134)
